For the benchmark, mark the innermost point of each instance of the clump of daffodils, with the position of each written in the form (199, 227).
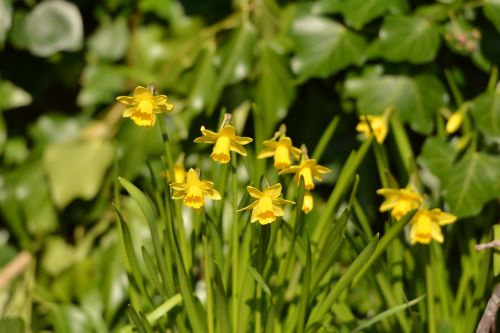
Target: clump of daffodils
(426, 224)
(144, 105)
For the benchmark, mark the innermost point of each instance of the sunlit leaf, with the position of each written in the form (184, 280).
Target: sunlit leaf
(486, 112)
(471, 183)
(323, 47)
(359, 12)
(53, 26)
(408, 38)
(12, 96)
(491, 9)
(110, 41)
(415, 99)
(76, 170)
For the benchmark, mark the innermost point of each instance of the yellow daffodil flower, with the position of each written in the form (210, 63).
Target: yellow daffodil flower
(426, 225)
(308, 169)
(374, 125)
(194, 191)
(225, 140)
(179, 173)
(399, 201)
(281, 149)
(308, 202)
(268, 204)
(143, 106)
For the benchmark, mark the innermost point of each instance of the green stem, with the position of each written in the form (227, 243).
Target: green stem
(402, 142)
(235, 252)
(325, 138)
(185, 253)
(431, 311)
(208, 277)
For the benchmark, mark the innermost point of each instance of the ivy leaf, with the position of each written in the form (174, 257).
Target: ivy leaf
(486, 112)
(471, 183)
(357, 13)
(324, 47)
(415, 99)
(438, 156)
(53, 26)
(76, 169)
(110, 41)
(491, 10)
(274, 88)
(408, 38)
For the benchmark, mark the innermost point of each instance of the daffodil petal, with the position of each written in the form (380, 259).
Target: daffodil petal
(254, 192)
(266, 152)
(127, 100)
(237, 148)
(274, 191)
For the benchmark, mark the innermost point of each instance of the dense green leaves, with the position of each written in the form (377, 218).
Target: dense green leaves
(53, 26)
(437, 156)
(415, 98)
(471, 183)
(408, 38)
(323, 47)
(486, 112)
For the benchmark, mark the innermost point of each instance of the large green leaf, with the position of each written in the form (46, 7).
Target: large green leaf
(110, 41)
(323, 47)
(53, 26)
(274, 89)
(437, 156)
(486, 112)
(12, 96)
(76, 169)
(415, 99)
(471, 183)
(491, 10)
(408, 38)
(359, 12)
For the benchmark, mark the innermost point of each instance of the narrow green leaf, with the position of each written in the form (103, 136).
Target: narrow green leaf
(260, 280)
(304, 295)
(324, 47)
(221, 303)
(471, 183)
(390, 234)
(152, 272)
(275, 91)
(496, 253)
(345, 280)
(136, 320)
(12, 324)
(370, 322)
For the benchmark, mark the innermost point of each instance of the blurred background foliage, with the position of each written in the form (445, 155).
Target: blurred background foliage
(62, 64)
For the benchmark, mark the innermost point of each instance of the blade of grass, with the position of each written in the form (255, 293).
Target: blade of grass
(325, 138)
(221, 306)
(322, 308)
(370, 322)
(384, 242)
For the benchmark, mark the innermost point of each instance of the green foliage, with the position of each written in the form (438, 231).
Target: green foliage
(87, 192)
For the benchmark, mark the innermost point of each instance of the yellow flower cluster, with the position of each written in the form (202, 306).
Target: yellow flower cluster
(426, 224)
(377, 126)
